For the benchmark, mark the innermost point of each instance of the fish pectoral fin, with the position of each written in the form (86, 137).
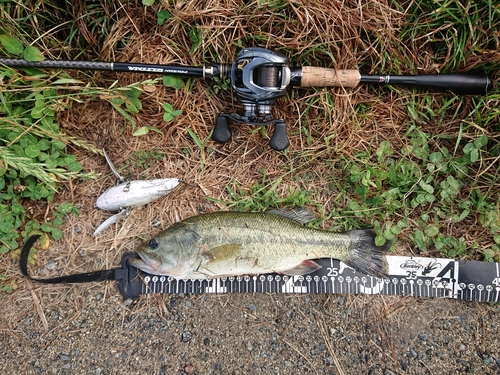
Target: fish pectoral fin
(223, 252)
(307, 266)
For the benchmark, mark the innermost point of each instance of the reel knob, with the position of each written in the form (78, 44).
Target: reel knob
(221, 132)
(279, 141)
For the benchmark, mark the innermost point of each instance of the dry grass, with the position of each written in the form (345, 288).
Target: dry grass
(347, 34)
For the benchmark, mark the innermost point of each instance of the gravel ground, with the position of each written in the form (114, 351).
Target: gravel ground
(91, 329)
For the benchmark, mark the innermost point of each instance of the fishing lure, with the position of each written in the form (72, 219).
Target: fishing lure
(128, 194)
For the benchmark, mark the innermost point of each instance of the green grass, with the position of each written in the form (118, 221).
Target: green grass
(34, 158)
(454, 30)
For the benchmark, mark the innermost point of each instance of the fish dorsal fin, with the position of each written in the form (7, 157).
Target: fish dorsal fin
(299, 215)
(223, 252)
(307, 266)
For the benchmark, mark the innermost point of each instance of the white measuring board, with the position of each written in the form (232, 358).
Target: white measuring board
(408, 276)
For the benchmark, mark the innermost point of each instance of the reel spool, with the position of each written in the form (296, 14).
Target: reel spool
(258, 76)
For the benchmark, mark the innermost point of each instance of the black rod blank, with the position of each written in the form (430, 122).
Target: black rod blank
(188, 71)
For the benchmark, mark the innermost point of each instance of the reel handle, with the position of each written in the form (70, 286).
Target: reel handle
(279, 140)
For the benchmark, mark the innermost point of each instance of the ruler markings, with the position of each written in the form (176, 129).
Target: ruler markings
(497, 285)
(409, 276)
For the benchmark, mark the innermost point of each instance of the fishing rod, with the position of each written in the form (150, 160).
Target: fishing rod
(260, 76)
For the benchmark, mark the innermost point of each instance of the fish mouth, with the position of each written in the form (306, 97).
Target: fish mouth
(152, 261)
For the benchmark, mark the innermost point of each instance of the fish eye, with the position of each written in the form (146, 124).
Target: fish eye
(153, 244)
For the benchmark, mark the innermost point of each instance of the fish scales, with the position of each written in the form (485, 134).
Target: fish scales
(236, 243)
(269, 236)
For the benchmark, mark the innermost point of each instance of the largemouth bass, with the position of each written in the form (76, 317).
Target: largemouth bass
(224, 244)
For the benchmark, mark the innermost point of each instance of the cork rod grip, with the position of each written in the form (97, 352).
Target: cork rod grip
(324, 77)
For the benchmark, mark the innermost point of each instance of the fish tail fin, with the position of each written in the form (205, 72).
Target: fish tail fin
(365, 256)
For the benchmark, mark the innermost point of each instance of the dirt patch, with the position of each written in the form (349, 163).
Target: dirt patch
(91, 330)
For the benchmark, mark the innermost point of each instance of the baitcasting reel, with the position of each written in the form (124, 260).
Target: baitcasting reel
(258, 76)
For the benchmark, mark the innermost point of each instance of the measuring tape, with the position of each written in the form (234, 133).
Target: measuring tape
(467, 280)
(409, 276)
